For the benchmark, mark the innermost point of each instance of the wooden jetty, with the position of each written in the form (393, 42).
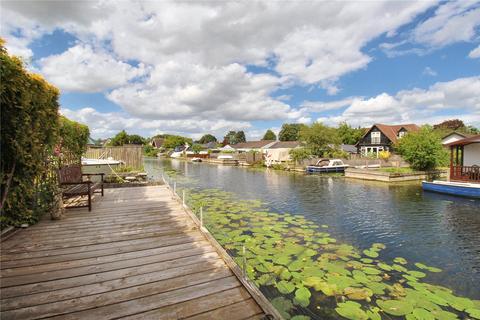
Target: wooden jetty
(137, 255)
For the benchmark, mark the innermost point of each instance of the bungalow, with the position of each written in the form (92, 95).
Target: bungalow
(454, 136)
(157, 142)
(253, 145)
(465, 159)
(382, 137)
(280, 151)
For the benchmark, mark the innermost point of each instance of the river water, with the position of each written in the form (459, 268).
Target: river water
(438, 230)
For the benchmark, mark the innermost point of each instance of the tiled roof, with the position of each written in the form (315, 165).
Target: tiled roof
(253, 144)
(285, 144)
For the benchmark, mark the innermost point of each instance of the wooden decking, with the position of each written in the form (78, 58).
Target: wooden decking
(136, 255)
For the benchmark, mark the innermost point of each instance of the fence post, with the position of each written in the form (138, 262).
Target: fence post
(244, 262)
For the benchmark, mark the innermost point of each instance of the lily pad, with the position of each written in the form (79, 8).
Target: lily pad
(370, 253)
(351, 310)
(302, 296)
(357, 293)
(422, 314)
(395, 307)
(400, 260)
(285, 287)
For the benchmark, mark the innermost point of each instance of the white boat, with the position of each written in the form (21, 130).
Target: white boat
(328, 165)
(225, 157)
(196, 159)
(105, 166)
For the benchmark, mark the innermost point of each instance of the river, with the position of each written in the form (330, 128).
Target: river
(434, 229)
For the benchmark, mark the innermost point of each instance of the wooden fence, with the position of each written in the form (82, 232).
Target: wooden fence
(131, 155)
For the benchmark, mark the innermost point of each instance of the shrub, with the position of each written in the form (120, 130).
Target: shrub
(384, 155)
(423, 149)
(29, 131)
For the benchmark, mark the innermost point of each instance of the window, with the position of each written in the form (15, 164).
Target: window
(401, 134)
(375, 137)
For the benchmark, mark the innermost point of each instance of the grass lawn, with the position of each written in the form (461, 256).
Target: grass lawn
(397, 170)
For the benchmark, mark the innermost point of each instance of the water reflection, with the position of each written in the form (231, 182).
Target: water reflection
(438, 230)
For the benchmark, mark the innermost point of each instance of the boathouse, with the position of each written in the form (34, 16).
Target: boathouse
(465, 159)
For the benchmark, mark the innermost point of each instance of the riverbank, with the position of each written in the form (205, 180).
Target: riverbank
(392, 176)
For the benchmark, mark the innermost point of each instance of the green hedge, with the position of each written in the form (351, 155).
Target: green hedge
(29, 131)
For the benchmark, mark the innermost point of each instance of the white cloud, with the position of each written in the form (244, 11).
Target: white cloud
(475, 53)
(106, 124)
(429, 72)
(452, 22)
(458, 98)
(319, 106)
(83, 69)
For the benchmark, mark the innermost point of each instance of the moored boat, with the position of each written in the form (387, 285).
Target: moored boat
(327, 165)
(463, 189)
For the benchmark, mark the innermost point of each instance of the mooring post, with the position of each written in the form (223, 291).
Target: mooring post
(183, 198)
(201, 217)
(244, 262)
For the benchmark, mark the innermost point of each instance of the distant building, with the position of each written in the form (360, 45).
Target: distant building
(253, 145)
(157, 142)
(454, 136)
(210, 145)
(382, 137)
(280, 151)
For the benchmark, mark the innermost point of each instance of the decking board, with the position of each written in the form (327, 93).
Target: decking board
(137, 254)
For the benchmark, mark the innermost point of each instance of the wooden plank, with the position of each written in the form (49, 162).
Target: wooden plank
(74, 272)
(149, 243)
(236, 311)
(12, 272)
(19, 290)
(196, 306)
(155, 301)
(96, 288)
(109, 304)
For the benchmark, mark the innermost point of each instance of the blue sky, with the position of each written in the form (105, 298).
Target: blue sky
(200, 67)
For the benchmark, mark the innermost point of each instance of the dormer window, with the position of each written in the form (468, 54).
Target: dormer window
(375, 136)
(401, 134)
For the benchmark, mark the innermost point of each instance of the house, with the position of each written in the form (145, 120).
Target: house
(348, 148)
(382, 137)
(454, 136)
(253, 145)
(157, 142)
(280, 151)
(465, 159)
(210, 145)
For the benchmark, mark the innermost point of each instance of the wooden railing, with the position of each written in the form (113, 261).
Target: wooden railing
(465, 173)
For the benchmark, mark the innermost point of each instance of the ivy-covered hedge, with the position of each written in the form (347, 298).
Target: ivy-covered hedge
(29, 131)
(73, 137)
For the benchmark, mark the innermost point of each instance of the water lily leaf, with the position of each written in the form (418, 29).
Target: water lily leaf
(300, 317)
(302, 296)
(370, 253)
(377, 287)
(474, 313)
(400, 260)
(313, 271)
(370, 270)
(283, 260)
(444, 315)
(264, 280)
(357, 293)
(373, 315)
(366, 260)
(384, 266)
(399, 268)
(416, 274)
(313, 282)
(285, 287)
(379, 246)
(351, 310)
(422, 314)
(283, 305)
(395, 307)
(328, 289)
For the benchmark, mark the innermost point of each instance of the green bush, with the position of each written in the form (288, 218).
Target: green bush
(423, 149)
(29, 131)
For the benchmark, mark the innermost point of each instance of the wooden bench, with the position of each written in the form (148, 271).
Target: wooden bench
(73, 185)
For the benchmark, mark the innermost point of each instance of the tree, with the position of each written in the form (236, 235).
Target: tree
(120, 139)
(240, 137)
(453, 124)
(73, 137)
(349, 135)
(136, 139)
(289, 131)
(423, 149)
(207, 138)
(172, 141)
(319, 138)
(299, 154)
(196, 148)
(229, 138)
(269, 135)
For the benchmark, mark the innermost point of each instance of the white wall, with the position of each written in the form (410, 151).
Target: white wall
(452, 138)
(471, 154)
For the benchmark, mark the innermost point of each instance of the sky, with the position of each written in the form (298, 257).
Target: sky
(196, 67)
